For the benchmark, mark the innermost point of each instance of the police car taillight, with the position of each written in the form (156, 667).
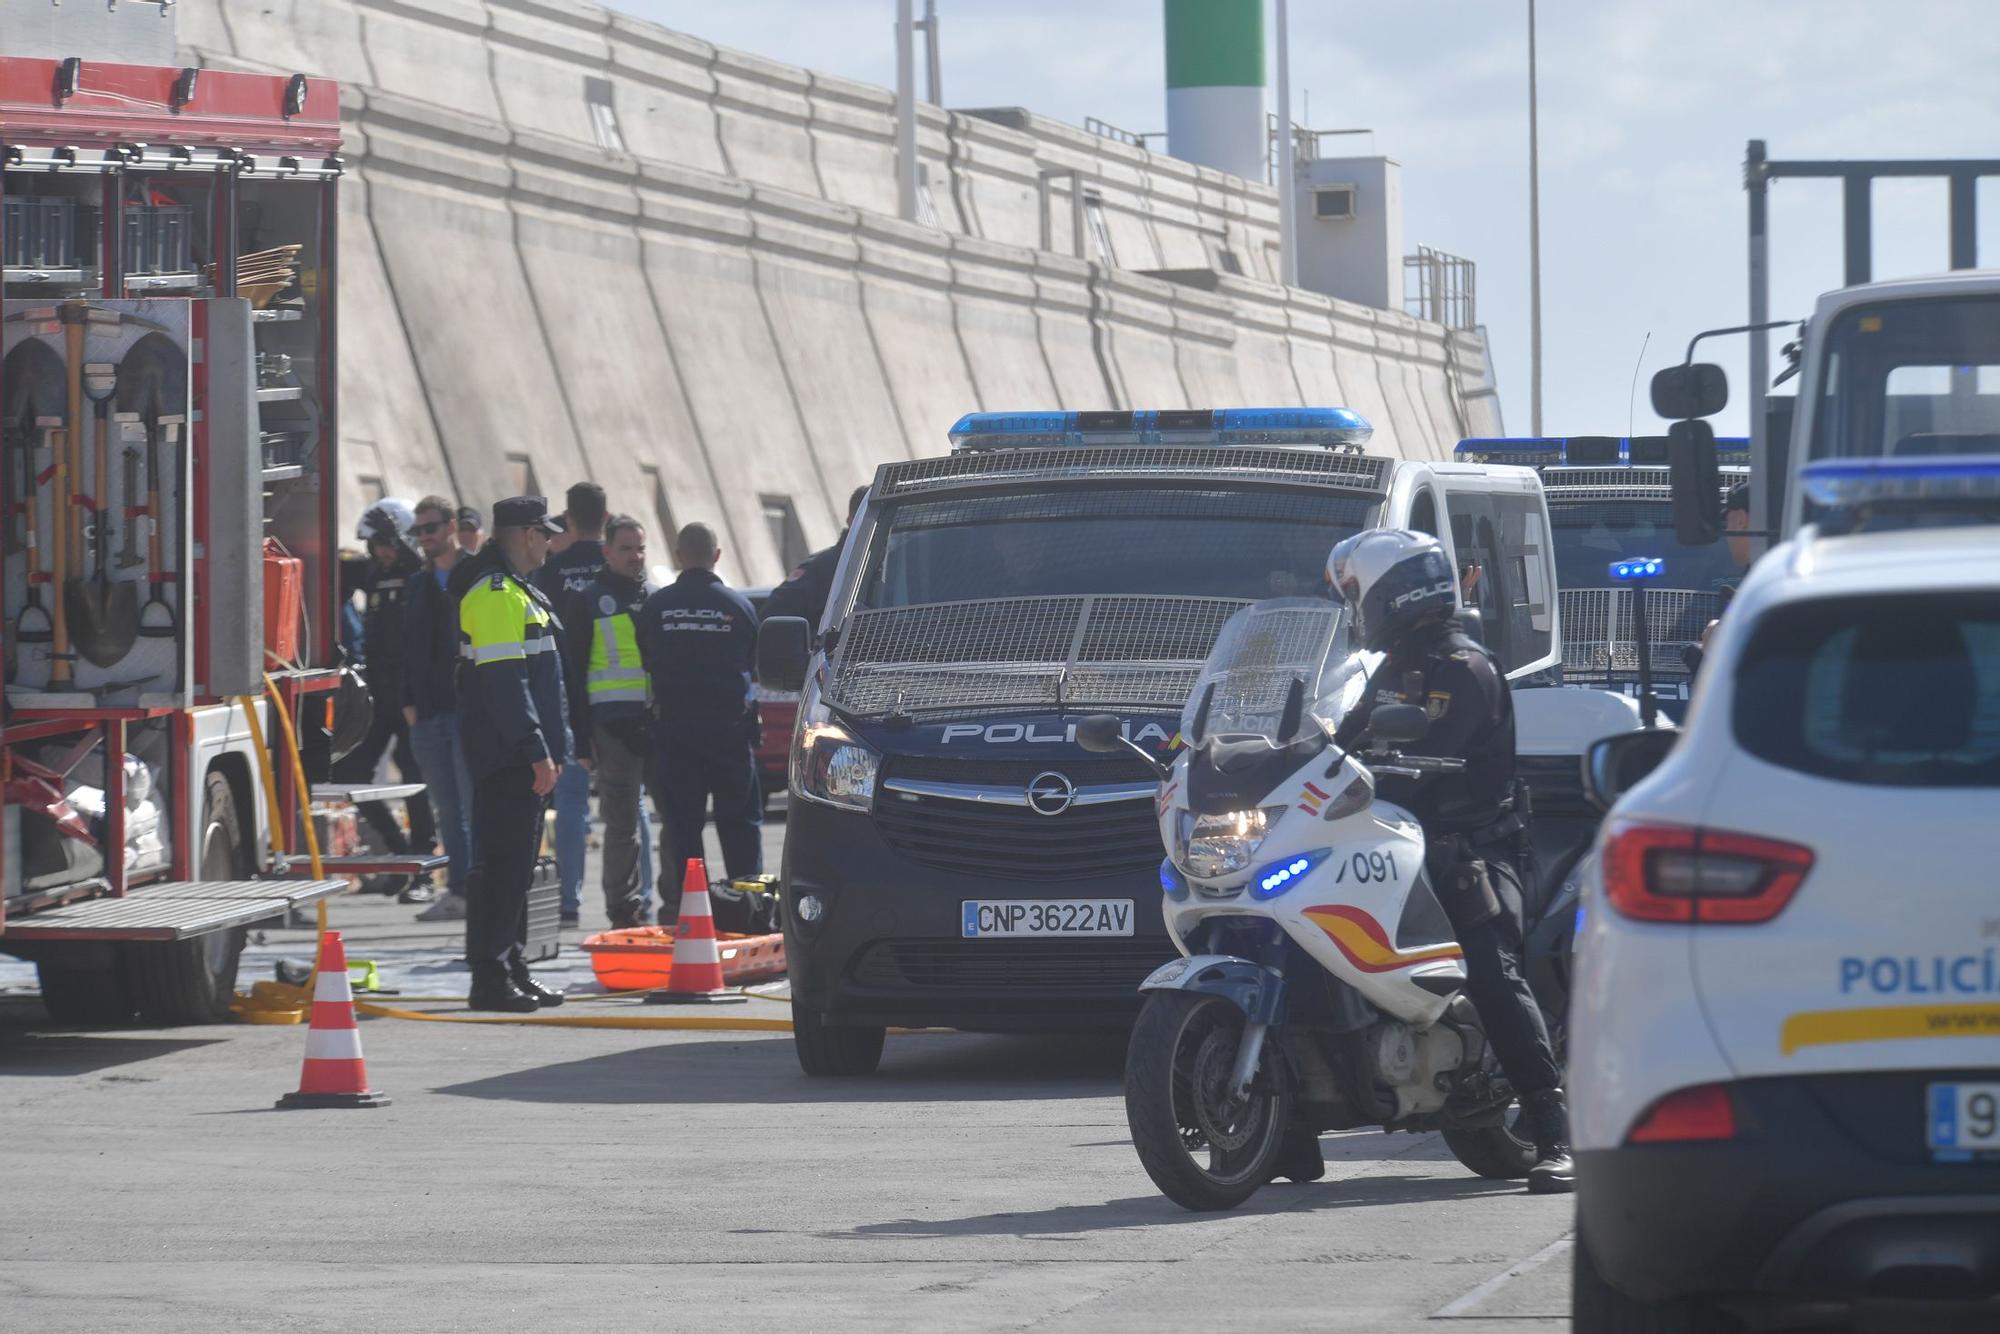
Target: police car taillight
(1700, 1113)
(1327, 428)
(1670, 873)
(1847, 483)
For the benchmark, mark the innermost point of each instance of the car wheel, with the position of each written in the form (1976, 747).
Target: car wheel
(833, 1049)
(1598, 1308)
(194, 981)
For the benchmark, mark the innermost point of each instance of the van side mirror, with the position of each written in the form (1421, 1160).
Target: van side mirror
(1100, 734)
(1397, 724)
(1614, 766)
(784, 650)
(1682, 393)
(1695, 482)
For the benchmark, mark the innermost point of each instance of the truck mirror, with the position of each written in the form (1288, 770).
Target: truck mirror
(784, 648)
(1681, 393)
(1100, 734)
(1612, 767)
(1695, 482)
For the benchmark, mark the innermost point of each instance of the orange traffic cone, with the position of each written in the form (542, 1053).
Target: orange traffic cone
(696, 978)
(334, 1074)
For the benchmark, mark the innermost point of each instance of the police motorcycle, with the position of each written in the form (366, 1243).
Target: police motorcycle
(1321, 981)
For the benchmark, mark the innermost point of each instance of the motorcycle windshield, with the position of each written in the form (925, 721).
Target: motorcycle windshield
(1281, 671)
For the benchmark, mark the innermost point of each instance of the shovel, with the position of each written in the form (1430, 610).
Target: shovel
(103, 616)
(34, 379)
(152, 383)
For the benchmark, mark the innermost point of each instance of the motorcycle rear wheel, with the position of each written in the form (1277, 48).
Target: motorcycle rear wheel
(1499, 1153)
(1203, 1150)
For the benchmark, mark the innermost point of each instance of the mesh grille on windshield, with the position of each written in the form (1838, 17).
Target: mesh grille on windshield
(1310, 467)
(1595, 646)
(1141, 652)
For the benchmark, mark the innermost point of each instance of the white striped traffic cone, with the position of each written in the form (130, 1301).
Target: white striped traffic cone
(696, 978)
(334, 1074)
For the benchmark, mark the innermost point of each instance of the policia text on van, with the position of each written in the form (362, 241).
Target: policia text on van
(954, 857)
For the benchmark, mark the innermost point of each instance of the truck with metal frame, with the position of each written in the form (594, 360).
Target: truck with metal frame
(169, 237)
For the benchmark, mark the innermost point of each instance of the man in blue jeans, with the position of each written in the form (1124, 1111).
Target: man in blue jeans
(430, 697)
(568, 572)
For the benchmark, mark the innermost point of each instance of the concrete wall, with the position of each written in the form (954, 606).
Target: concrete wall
(701, 300)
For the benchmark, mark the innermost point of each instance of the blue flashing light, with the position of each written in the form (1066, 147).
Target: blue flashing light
(1638, 567)
(1840, 483)
(1273, 880)
(1172, 883)
(1327, 428)
(1589, 451)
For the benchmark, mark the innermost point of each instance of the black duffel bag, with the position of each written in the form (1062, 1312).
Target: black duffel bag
(745, 912)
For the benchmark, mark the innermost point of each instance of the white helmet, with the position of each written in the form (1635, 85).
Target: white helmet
(1392, 581)
(387, 520)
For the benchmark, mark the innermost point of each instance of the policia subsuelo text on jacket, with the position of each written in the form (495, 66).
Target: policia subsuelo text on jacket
(514, 723)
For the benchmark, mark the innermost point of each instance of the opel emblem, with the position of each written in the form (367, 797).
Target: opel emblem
(1050, 793)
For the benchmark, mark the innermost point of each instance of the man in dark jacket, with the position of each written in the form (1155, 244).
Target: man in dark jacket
(610, 715)
(430, 697)
(384, 527)
(566, 574)
(514, 725)
(806, 590)
(699, 641)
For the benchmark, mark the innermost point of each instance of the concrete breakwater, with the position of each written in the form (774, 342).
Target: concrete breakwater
(573, 244)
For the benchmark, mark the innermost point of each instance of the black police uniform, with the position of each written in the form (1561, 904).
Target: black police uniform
(512, 715)
(570, 571)
(806, 590)
(384, 650)
(699, 641)
(1468, 826)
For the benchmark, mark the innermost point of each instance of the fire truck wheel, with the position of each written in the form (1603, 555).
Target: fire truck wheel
(193, 981)
(74, 993)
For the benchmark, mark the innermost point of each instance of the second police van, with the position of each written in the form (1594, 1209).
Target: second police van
(953, 857)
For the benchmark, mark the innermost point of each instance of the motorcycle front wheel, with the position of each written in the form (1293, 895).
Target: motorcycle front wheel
(1204, 1149)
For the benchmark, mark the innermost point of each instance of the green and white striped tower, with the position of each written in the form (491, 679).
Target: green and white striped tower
(1215, 84)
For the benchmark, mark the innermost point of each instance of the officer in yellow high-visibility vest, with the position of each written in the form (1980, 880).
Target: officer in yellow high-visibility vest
(514, 725)
(611, 715)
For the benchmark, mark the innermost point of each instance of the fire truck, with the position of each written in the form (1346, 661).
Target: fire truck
(168, 429)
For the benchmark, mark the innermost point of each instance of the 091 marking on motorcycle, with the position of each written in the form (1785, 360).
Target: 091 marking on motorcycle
(1045, 917)
(1366, 867)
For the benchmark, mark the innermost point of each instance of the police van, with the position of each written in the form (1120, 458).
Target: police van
(952, 856)
(1610, 500)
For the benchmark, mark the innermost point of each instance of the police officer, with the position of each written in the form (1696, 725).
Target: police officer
(515, 728)
(575, 560)
(1403, 597)
(699, 640)
(610, 713)
(806, 590)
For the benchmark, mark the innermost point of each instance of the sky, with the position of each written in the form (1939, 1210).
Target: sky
(1646, 106)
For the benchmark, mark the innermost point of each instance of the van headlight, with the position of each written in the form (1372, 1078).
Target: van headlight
(1208, 846)
(830, 764)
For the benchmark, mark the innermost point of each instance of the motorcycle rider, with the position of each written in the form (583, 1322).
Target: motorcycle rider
(1403, 596)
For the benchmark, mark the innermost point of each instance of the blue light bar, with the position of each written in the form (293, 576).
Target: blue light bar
(1278, 877)
(1842, 483)
(1326, 428)
(1554, 451)
(1638, 567)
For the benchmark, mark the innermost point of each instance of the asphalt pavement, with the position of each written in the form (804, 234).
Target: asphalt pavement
(558, 1178)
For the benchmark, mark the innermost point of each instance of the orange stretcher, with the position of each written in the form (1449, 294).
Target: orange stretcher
(641, 958)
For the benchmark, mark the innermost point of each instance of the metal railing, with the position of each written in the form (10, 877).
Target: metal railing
(1104, 129)
(1441, 288)
(1306, 144)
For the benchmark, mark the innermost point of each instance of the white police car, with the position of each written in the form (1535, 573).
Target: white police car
(1785, 1046)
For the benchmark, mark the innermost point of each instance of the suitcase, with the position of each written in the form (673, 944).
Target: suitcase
(544, 912)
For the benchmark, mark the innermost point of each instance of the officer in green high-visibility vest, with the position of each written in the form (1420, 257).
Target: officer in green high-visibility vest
(514, 725)
(610, 712)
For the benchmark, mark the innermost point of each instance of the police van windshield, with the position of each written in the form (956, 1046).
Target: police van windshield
(1589, 535)
(1911, 379)
(1128, 539)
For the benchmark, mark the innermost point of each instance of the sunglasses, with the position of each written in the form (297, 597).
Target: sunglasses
(426, 529)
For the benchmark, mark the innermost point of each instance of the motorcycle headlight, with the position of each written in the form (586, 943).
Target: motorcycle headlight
(1208, 846)
(830, 764)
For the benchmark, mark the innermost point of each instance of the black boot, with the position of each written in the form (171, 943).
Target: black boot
(525, 981)
(498, 992)
(1545, 1117)
(1299, 1156)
